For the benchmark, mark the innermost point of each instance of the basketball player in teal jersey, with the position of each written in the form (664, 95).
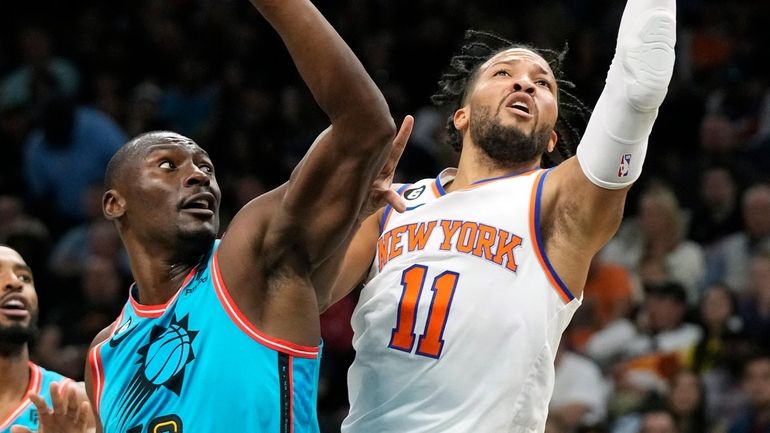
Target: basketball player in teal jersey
(26, 389)
(224, 335)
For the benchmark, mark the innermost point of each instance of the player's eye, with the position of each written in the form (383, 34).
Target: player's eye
(206, 168)
(167, 165)
(25, 278)
(502, 73)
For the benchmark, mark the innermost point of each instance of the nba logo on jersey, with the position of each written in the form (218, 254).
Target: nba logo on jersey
(414, 193)
(625, 164)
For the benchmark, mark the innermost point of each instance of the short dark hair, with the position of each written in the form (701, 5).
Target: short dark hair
(667, 289)
(127, 153)
(477, 48)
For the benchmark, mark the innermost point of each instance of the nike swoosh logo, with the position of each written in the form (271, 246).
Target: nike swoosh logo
(115, 340)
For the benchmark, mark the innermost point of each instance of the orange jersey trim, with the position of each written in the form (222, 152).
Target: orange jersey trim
(155, 311)
(35, 382)
(97, 373)
(232, 310)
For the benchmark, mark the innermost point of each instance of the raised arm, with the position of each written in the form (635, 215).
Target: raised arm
(583, 198)
(291, 231)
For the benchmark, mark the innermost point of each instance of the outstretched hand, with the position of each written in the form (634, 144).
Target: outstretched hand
(70, 413)
(381, 193)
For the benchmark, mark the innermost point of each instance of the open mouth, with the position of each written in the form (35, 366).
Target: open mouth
(520, 106)
(14, 307)
(201, 204)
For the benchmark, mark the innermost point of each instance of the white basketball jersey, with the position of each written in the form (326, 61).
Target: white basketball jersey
(457, 328)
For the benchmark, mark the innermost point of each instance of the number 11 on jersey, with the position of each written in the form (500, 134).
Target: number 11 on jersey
(430, 342)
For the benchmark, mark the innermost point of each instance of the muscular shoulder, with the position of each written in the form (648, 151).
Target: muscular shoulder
(249, 233)
(102, 336)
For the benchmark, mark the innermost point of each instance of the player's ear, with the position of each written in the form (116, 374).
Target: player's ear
(552, 141)
(113, 205)
(461, 118)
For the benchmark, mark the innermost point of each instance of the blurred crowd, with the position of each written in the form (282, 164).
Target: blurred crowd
(674, 332)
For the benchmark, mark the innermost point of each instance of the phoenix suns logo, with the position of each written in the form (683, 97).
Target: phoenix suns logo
(162, 363)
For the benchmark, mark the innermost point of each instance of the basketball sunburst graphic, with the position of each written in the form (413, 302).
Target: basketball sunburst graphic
(162, 363)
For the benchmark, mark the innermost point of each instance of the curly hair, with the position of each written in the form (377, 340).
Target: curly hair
(458, 79)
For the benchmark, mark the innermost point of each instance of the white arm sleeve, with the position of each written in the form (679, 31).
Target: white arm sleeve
(613, 147)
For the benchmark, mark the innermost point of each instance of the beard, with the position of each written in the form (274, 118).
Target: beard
(14, 337)
(194, 245)
(507, 146)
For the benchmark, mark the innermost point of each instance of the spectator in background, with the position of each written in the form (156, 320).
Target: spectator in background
(188, 104)
(64, 342)
(652, 346)
(720, 323)
(686, 401)
(579, 393)
(608, 296)
(654, 245)
(66, 153)
(20, 87)
(756, 385)
(27, 235)
(717, 214)
(14, 218)
(658, 421)
(731, 259)
(755, 309)
(143, 113)
(95, 237)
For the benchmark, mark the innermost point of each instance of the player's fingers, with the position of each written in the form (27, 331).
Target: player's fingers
(81, 415)
(394, 199)
(20, 429)
(40, 404)
(71, 397)
(399, 143)
(404, 131)
(89, 419)
(57, 399)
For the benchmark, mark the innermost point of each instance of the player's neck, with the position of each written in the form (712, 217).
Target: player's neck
(475, 165)
(14, 374)
(158, 274)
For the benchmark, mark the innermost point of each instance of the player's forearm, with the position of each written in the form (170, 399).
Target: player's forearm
(614, 145)
(334, 75)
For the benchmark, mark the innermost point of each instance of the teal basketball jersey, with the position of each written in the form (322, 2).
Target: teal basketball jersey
(196, 364)
(25, 414)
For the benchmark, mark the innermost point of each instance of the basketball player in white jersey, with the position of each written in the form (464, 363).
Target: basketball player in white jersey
(468, 291)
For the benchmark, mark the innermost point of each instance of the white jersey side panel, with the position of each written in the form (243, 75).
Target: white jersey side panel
(457, 328)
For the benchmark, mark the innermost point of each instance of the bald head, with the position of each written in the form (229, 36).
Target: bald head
(135, 149)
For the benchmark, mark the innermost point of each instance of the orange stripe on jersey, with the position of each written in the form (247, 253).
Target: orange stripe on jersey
(534, 231)
(435, 190)
(240, 320)
(97, 374)
(155, 311)
(35, 381)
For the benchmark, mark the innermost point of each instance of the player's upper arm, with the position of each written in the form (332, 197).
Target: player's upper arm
(102, 336)
(587, 215)
(357, 262)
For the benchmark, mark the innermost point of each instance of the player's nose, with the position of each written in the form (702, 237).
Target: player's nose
(198, 177)
(9, 281)
(523, 84)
